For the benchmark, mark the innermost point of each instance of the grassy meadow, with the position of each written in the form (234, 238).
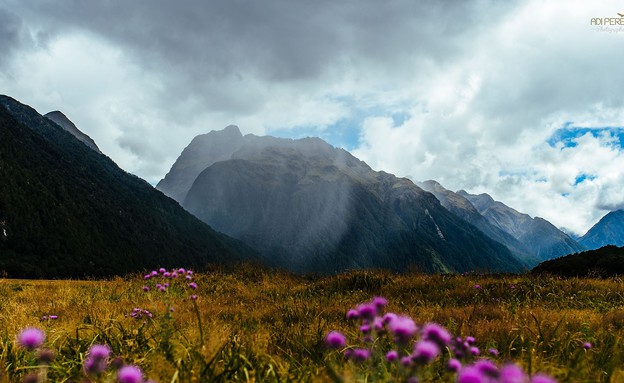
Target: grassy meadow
(256, 325)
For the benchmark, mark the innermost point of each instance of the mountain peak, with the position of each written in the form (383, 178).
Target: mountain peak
(608, 231)
(61, 120)
(230, 130)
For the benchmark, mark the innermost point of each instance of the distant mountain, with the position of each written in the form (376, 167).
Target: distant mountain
(463, 208)
(61, 120)
(541, 238)
(203, 151)
(608, 231)
(604, 262)
(68, 211)
(310, 207)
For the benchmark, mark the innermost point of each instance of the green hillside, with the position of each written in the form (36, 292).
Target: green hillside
(67, 211)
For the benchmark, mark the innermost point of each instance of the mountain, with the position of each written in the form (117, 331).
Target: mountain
(203, 151)
(463, 208)
(68, 211)
(310, 207)
(61, 120)
(607, 261)
(608, 231)
(541, 237)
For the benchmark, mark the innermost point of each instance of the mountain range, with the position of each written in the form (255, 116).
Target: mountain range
(310, 207)
(66, 210)
(531, 239)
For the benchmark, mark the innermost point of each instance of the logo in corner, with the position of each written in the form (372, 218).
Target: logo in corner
(608, 21)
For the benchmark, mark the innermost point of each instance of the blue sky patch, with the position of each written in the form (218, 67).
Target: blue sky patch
(568, 134)
(582, 177)
(343, 134)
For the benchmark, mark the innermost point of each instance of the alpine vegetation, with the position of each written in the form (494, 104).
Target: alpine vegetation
(391, 347)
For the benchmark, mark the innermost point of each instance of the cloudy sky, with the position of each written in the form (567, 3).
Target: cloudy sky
(523, 100)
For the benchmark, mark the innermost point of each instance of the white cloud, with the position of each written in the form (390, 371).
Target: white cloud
(479, 87)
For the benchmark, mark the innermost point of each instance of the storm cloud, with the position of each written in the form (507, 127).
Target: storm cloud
(468, 93)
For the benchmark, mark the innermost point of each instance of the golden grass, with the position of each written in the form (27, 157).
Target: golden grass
(269, 326)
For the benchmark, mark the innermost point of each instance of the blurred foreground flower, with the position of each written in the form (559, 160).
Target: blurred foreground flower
(31, 338)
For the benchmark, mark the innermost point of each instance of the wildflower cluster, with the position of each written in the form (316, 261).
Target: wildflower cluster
(411, 348)
(96, 363)
(139, 313)
(166, 278)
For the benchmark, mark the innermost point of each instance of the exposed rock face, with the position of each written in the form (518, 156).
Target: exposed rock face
(608, 231)
(310, 207)
(463, 208)
(64, 122)
(541, 237)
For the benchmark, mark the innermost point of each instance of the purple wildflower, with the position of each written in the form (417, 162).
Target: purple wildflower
(181, 270)
(389, 317)
(147, 276)
(166, 274)
(154, 273)
(425, 351)
(392, 356)
(145, 289)
(378, 324)
(493, 351)
(193, 297)
(511, 373)
(174, 274)
(365, 328)
(94, 365)
(453, 365)
(360, 354)
(403, 328)
(130, 374)
(334, 339)
(31, 338)
(380, 302)
(367, 310)
(487, 368)
(587, 345)
(53, 317)
(162, 270)
(139, 313)
(436, 333)
(100, 351)
(353, 314)
(474, 351)
(189, 277)
(189, 272)
(470, 375)
(407, 361)
(477, 287)
(193, 285)
(470, 339)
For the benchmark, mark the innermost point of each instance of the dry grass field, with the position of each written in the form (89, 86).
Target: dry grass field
(256, 325)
